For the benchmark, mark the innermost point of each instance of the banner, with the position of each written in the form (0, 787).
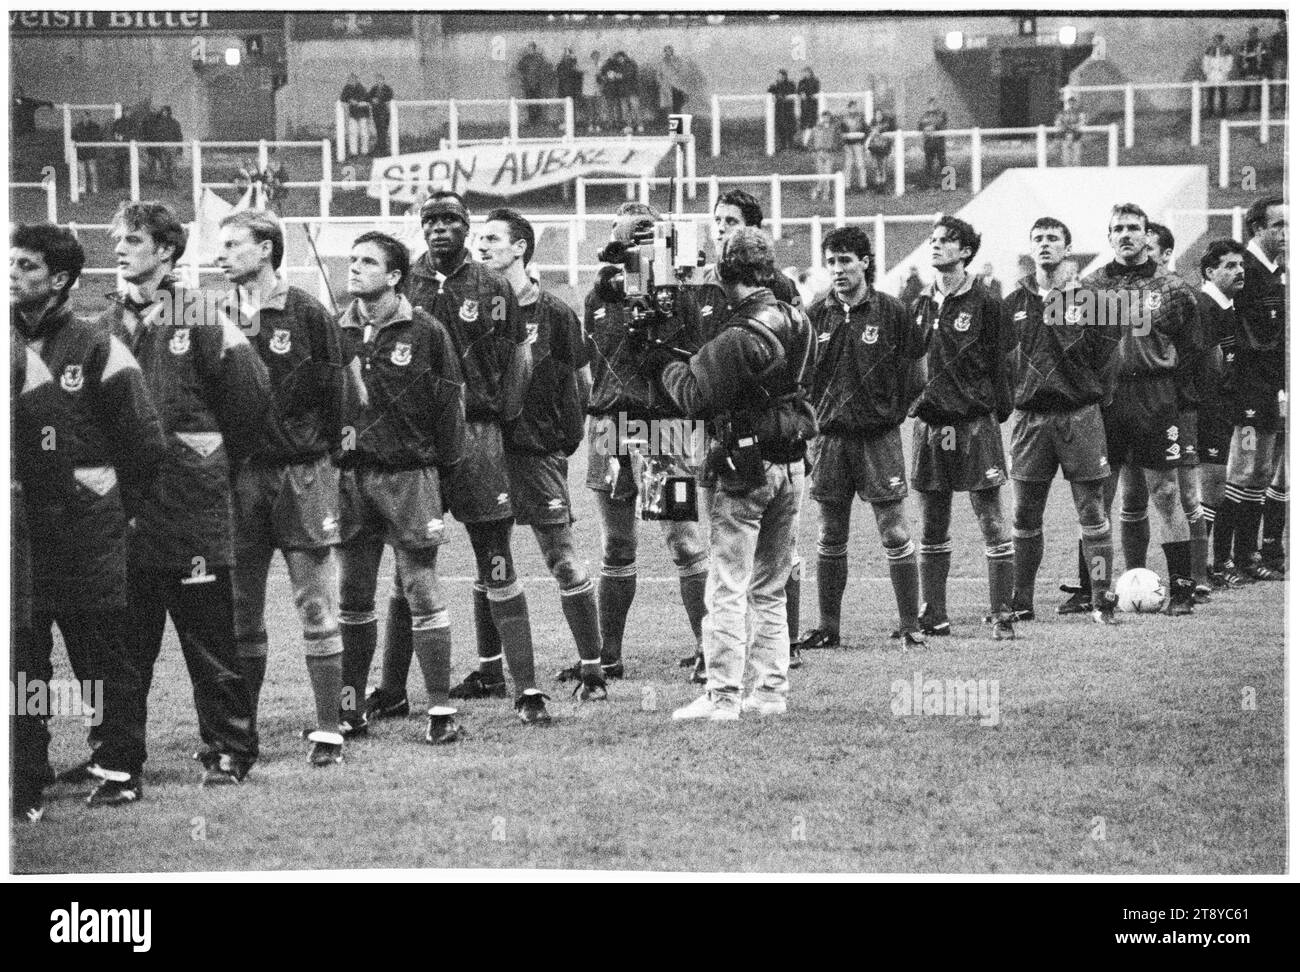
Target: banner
(511, 169)
(343, 26)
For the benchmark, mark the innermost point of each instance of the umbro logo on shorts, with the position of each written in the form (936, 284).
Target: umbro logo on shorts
(556, 504)
(433, 527)
(706, 310)
(503, 499)
(1171, 433)
(895, 481)
(180, 342)
(991, 472)
(600, 314)
(1020, 316)
(330, 524)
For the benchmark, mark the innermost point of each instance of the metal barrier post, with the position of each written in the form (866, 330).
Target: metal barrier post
(74, 180)
(692, 186)
(1224, 135)
(1128, 116)
(900, 163)
(385, 204)
(263, 155)
(869, 105)
(839, 199)
(715, 135)
(645, 187)
(1112, 146)
(134, 149)
(568, 118)
(769, 124)
(580, 205)
(68, 155)
(514, 120)
(1041, 140)
(1238, 222)
(1196, 113)
(573, 255)
(976, 161)
(327, 178)
(196, 175)
(714, 192)
(1263, 112)
(814, 240)
(453, 124)
(340, 134)
(776, 206)
(880, 239)
(393, 129)
(51, 198)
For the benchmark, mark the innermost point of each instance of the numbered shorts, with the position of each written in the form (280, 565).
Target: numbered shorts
(1189, 440)
(1142, 426)
(1213, 435)
(1074, 442)
(958, 456)
(293, 506)
(872, 468)
(403, 506)
(480, 487)
(541, 488)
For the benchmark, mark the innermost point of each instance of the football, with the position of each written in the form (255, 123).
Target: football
(1140, 591)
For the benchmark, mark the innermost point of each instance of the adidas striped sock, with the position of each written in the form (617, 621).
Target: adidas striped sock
(1028, 558)
(1099, 549)
(832, 578)
(487, 637)
(907, 584)
(1246, 537)
(936, 558)
(579, 606)
(1199, 545)
(1274, 522)
(1225, 523)
(1134, 537)
(614, 594)
(1000, 558)
(510, 612)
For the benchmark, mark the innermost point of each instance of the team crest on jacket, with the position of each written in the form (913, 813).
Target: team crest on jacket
(180, 342)
(532, 334)
(281, 341)
(1074, 314)
(469, 311)
(72, 379)
(1153, 300)
(962, 323)
(401, 354)
(870, 334)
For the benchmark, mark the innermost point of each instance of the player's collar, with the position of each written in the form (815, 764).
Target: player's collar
(402, 312)
(1254, 249)
(939, 296)
(275, 299)
(1217, 295)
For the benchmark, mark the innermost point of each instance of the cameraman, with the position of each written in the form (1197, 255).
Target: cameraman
(621, 396)
(751, 381)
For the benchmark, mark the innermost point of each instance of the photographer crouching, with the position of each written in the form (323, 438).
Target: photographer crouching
(751, 382)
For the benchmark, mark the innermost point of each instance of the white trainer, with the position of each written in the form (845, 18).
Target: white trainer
(764, 705)
(706, 707)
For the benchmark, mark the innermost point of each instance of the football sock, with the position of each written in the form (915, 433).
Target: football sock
(1085, 578)
(1274, 523)
(907, 584)
(433, 647)
(360, 635)
(614, 594)
(1002, 574)
(397, 648)
(1029, 555)
(1246, 534)
(253, 668)
(832, 578)
(1208, 515)
(1099, 550)
(1178, 558)
(935, 560)
(487, 637)
(1200, 546)
(579, 606)
(1134, 537)
(1225, 523)
(792, 585)
(326, 675)
(691, 578)
(510, 612)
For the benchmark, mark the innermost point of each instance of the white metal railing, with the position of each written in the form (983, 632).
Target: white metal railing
(67, 110)
(768, 101)
(1265, 85)
(49, 186)
(453, 107)
(1238, 214)
(1225, 142)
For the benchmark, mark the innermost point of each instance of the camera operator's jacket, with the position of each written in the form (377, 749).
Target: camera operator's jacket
(412, 413)
(758, 370)
(867, 372)
(616, 352)
(966, 374)
(212, 394)
(478, 308)
(108, 431)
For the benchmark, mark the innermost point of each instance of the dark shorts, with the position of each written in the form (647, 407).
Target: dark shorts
(1142, 426)
(610, 463)
(1213, 435)
(1188, 440)
(541, 488)
(404, 507)
(958, 456)
(1073, 441)
(1256, 407)
(872, 468)
(293, 507)
(480, 487)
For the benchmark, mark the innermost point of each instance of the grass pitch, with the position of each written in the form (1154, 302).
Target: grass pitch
(1153, 747)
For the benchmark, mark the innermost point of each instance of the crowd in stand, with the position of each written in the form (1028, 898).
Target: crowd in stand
(140, 124)
(1252, 59)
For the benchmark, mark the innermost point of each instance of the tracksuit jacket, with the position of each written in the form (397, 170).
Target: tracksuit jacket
(966, 351)
(553, 413)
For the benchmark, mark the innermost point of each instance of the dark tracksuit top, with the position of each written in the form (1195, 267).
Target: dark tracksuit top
(1261, 330)
(553, 413)
(1217, 379)
(298, 342)
(965, 374)
(478, 308)
(413, 413)
(212, 393)
(107, 429)
(1056, 365)
(866, 373)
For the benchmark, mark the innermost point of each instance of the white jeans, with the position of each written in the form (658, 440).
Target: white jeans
(750, 555)
(358, 135)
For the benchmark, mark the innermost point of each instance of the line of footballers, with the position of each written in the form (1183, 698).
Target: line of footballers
(165, 450)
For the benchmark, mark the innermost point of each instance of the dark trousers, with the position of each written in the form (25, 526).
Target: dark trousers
(30, 769)
(97, 654)
(936, 157)
(381, 132)
(203, 613)
(1250, 93)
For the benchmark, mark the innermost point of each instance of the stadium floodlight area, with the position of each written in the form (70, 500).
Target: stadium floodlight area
(48, 186)
(451, 112)
(1195, 88)
(1079, 197)
(1225, 142)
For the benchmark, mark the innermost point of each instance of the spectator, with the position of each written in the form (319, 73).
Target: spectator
(618, 77)
(568, 80)
(912, 288)
(783, 90)
(1069, 127)
(380, 96)
(1277, 62)
(23, 111)
(991, 283)
(592, 98)
(151, 131)
(853, 126)
(648, 92)
(1250, 65)
(123, 131)
(535, 76)
(677, 80)
(880, 143)
(168, 129)
(1216, 65)
(87, 158)
(933, 120)
(357, 111)
(808, 88)
(827, 141)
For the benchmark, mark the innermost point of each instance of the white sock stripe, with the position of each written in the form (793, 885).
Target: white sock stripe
(1252, 496)
(431, 622)
(1132, 516)
(1275, 495)
(1098, 532)
(1232, 493)
(1208, 513)
(999, 551)
(618, 570)
(357, 617)
(833, 553)
(585, 587)
(700, 566)
(491, 658)
(900, 553)
(936, 548)
(1027, 534)
(480, 587)
(511, 590)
